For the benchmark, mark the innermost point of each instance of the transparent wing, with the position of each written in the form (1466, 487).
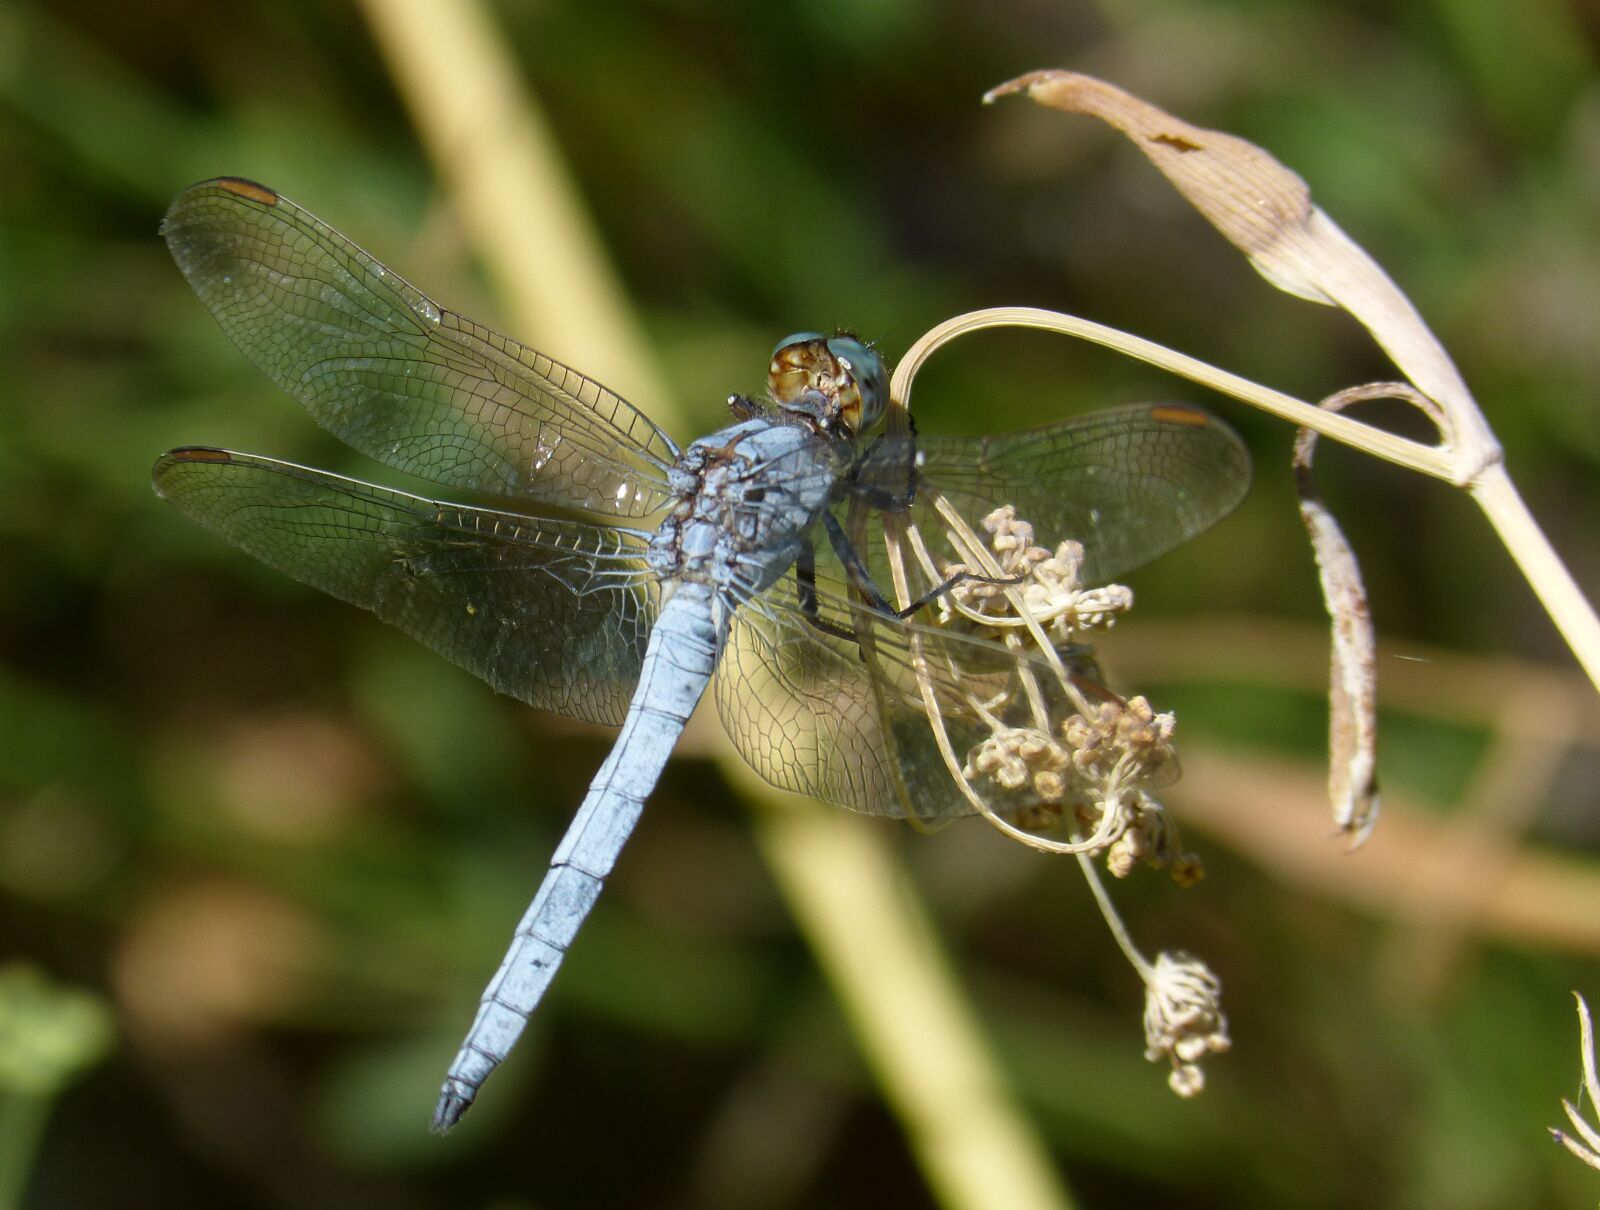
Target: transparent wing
(843, 719)
(1130, 483)
(846, 719)
(556, 613)
(400, 378)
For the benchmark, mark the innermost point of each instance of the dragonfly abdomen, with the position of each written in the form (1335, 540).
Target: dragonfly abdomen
(678, 664)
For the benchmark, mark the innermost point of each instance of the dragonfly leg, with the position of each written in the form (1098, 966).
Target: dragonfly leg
(805, 578)
(862, 578)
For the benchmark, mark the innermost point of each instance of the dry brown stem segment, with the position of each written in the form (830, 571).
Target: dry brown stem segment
(1353, 679)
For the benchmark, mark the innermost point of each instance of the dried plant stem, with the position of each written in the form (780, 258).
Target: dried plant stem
(895, 549)
(972, 551)
(974, 1143)
(1266, 211)
(1387, 446)
(1548, 576)
(1113, 919)
(1489, 484)
(1585, 1144)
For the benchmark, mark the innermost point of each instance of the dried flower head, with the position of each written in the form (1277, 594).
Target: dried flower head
(1050, 589)
(1060, 752)
(1586, 1145)
(1125, 746)
(1183, 1019)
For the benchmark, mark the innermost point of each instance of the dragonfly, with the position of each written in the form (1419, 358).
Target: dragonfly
(599, 570)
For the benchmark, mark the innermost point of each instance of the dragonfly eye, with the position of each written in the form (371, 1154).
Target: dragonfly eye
(798, 367)
(863, 385)
(840, 373)
(796, 338)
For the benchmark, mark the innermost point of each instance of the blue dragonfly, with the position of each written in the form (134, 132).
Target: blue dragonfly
(748, 559)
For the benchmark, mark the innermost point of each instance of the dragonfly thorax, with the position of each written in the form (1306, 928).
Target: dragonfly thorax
(744, 499)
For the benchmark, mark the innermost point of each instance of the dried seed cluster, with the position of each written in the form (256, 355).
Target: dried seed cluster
(1051, 590)
(1063, 753)
(1183, 1019)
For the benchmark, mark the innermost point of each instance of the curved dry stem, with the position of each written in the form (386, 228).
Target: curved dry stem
(935, 715)
(1586, 1144)
(971, 551)
(1429, 460)
(1490, 485)
(1108, 913)
(1353, 683)
(1266, 211)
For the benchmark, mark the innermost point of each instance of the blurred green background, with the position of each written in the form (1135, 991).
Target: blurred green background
(283, 846)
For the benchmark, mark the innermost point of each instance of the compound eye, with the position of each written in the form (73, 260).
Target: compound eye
(797, 338)
(798, 365)
(863, 407)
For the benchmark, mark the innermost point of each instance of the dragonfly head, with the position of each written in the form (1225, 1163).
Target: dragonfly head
(836, 380)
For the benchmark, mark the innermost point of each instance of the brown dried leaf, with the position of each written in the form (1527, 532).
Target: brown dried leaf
(1353, 679)
(1266, 211)
(1243, 192)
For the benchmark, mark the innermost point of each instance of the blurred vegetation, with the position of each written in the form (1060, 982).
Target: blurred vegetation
(284, 845)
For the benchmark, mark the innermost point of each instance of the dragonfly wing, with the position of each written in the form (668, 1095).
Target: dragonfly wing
(1129, 483)
(556, 613)
(846, 719)
(400, 378)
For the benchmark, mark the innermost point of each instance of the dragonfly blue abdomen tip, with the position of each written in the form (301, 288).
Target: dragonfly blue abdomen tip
(454, 1100)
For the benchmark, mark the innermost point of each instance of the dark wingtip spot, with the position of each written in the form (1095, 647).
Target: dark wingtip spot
(1181, 413)
(166, 468)
(198, 453)
(252, 190)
